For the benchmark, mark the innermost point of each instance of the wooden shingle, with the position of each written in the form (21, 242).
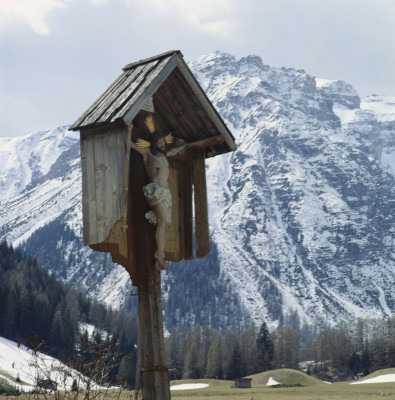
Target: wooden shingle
(177, 97)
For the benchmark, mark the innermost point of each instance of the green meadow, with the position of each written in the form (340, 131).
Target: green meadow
(310, 389)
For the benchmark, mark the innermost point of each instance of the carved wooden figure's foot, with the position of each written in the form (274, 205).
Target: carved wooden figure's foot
(160, 263)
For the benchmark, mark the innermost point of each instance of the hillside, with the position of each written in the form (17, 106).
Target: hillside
(39, 311)
(285, 377)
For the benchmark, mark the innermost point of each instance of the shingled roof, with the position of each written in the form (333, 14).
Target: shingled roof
(176, 94)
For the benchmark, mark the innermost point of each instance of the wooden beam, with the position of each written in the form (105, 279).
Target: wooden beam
(188, 210)
(150, 59)
(201, 209)
(174, 249)
(88, 191)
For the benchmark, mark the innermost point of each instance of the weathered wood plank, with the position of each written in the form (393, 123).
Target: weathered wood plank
(181, 210)
(116, 150)
(201, 209)
(81, 121)
(185, 97)
(103, 178)
(150, 59)
(116, 241)
(188, 209)
(162, 125)
(155, 376)
(167, 107)
(88, 191)
(206, 104)
(95, 116)
(120, 101)
(107, 106)
(102, 198)
(137, 226)
(161, 377)
(99, 129)
(134, 105)
(116, 244)
(173, 248)
(124, 248)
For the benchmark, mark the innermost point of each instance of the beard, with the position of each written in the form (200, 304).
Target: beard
(160, 149)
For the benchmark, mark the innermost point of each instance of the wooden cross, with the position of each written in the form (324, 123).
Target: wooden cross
(159, 93)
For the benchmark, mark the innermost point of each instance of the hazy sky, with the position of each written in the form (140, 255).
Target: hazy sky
(58, 56)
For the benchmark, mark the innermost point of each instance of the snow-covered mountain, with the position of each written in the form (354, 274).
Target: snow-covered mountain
(302, 214)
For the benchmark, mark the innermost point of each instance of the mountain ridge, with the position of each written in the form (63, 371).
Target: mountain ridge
(301, 215)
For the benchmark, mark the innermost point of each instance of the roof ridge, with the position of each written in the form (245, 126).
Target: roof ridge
(150, 59)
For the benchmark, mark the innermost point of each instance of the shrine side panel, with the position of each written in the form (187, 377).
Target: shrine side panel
(103, 163)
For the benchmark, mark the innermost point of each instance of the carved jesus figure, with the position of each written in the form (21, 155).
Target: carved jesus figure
(157, 192)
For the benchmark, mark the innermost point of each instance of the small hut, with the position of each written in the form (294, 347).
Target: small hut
(243, 383)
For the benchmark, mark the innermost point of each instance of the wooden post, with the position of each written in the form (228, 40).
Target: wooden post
(155, 381)
(154, 374)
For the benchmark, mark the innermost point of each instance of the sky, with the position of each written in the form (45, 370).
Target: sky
(58, 56)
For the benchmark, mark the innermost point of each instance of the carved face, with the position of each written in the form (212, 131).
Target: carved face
(160, 145)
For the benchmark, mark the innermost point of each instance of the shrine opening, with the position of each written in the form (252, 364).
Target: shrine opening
(144, 142)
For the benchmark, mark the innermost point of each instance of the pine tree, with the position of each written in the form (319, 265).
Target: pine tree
(236, 367)
(175, 345)
(192, 362)
(214, 359)
(230, 340)
(57, 332)
(286, 348)
(390, 339)
(249, 350)
(265, 349)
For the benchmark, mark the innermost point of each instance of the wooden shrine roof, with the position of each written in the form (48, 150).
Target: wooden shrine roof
(177, 97)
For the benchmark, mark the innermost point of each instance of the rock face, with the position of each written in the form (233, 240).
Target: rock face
(302, 214)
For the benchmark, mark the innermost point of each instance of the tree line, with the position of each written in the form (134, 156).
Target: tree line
(342, 352)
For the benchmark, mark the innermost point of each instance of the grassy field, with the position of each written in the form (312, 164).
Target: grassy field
(312, 389)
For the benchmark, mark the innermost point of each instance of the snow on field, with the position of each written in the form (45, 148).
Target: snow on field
(187, 386)
(272, 382)
(17, 361)
(388, 378)
(14, 361)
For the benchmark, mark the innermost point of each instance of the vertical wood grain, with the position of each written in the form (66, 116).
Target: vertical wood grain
(201, 210)
(188, 209)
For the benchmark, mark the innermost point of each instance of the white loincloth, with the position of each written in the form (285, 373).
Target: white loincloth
(155, 194)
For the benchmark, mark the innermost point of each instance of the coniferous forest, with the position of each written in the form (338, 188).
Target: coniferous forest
(338, 353)
(34, 305)
(33, 301)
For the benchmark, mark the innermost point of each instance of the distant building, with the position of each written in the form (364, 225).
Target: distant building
(244, 383)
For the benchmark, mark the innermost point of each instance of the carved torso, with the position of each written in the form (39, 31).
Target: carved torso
(157, 168)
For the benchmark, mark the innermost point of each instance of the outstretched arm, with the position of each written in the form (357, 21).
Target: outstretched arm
(142, 150)
(177, 149)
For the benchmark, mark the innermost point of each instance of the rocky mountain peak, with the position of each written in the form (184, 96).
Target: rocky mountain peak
(302, 215)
